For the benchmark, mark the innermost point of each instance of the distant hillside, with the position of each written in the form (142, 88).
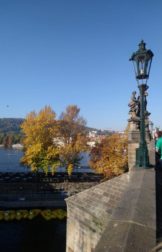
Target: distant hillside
(10, 125)
(100, 132)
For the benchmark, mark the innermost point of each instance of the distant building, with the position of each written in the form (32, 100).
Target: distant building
(91, 143)
(92, 134)
(58, 141)
(17, 146)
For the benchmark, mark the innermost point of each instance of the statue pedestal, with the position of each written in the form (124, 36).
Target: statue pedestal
(133, 145)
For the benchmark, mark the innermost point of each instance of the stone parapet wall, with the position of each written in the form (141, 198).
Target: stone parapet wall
(133, 223)
(117, 215)
(89, 211)
(132, 147)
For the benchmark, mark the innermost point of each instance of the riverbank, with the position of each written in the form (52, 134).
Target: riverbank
(14, 146)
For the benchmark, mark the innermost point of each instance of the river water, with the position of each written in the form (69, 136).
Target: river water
(10, 162)
(37, 235)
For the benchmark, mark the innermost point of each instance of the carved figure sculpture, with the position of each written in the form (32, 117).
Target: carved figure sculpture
(134, 105)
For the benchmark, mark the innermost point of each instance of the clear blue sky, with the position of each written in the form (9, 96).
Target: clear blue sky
(61, 52)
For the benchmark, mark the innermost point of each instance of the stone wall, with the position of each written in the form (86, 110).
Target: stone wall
(133, 145)
(89, 211)
(113, 214)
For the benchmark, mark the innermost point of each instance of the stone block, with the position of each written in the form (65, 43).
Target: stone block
(134, 136)
(89, 211)
(133, 222)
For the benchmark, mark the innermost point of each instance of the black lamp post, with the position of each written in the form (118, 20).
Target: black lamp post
(142, 63)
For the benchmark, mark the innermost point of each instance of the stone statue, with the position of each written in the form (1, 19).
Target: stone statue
(134, 111)
(134, 105)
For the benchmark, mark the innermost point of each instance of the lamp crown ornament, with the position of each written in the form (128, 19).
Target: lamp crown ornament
(142, 45)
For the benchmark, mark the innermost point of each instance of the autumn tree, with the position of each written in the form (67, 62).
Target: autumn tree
(8, 141)
(39, 150)
(110, 156)
(49, 143)
(72, 132)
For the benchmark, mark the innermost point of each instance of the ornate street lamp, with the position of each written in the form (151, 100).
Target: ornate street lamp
(142, 63)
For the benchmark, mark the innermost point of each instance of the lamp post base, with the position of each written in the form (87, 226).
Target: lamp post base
(142, 159)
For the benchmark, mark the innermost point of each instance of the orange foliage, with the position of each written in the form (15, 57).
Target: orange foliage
(110, 156)
(40, 152)
(49, 143)
(72, 131)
